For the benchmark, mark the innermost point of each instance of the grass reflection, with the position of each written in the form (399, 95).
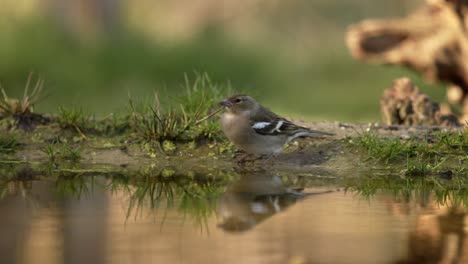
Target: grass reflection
(449, 192)
(193, 195)
(75, 186)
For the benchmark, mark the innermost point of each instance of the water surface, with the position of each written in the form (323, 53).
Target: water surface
(240, 218)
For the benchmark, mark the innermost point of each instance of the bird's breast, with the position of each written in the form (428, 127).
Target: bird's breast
(235, 127)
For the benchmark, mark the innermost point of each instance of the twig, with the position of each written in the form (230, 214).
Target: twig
(79, 131)
(196, 115)
(208, 116)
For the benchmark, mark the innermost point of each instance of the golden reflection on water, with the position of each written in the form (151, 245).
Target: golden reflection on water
(257, 220)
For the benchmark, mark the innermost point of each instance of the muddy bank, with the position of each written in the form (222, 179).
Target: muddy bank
(332, 155)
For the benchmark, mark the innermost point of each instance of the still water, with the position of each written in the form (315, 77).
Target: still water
(239, 218)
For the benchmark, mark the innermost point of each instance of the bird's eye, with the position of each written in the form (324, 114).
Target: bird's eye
(238, 100)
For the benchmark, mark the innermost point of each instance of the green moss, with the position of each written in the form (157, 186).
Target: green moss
(150, 149)
(168, 146)
(168, 173)
(226, 147)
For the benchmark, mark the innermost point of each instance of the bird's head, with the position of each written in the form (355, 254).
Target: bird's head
(239, 104)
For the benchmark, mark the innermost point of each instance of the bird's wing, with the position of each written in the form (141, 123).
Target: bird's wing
(268, 123)
(277, 127)
(265, 122)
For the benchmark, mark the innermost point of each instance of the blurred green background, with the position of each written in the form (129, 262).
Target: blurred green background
(289, 54)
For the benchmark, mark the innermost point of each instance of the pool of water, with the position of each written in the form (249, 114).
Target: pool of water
(239, 218)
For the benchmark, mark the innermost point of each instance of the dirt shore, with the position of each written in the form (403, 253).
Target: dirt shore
(329, 155)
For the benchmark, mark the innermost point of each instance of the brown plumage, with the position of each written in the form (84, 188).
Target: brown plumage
(257, 130)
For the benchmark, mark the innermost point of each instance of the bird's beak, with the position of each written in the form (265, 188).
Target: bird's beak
(225, 103)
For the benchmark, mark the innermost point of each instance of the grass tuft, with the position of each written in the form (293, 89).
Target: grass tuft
(420, 167)
(75, 119)
(423, 157)
(394, 149)
(51, 152)
(16, 107)
(457, 141)
(62, 152)
(21, 110)
(8, 144)
(388, 149)
(188, 120)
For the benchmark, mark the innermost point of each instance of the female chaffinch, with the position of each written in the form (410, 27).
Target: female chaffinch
(257, 130)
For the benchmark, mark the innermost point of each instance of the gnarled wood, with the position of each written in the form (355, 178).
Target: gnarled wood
(433, 41)
(404, 104)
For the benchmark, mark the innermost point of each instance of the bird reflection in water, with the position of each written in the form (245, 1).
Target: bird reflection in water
(253, 199)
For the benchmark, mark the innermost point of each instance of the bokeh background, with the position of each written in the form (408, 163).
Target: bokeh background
(290, 54)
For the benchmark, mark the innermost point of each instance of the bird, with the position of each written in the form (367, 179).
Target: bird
(257, 130)
(254, 197)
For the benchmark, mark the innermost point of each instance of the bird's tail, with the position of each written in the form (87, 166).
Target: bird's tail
(305, 132)
(317, 132)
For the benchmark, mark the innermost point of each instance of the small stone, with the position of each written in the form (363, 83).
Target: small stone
(447, 175)
(405, 136)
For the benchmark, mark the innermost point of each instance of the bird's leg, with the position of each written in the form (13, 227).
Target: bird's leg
(270, 156)
(242, 157)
